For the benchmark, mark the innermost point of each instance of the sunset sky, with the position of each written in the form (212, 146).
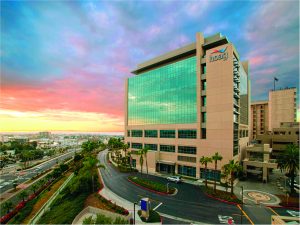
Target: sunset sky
(63, 63)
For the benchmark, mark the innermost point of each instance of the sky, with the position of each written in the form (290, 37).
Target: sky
(64, 63)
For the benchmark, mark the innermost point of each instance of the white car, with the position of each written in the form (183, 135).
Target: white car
(175, 179)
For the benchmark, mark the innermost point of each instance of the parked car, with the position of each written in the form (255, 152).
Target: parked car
(176, 179)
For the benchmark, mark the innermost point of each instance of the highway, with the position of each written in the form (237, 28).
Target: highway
(6, 180)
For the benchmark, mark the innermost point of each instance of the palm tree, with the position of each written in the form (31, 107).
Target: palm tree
(230, 169)
(23, 195)
(216, 157)
(125, 148)
(204, 160)
(8, 206)
(129, 155)
(289, 161)
(141, 153)
(90, 166)
(145, 151)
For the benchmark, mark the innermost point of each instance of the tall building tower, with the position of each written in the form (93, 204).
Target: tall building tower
(282, 107)
(189, 103)
(259, 118)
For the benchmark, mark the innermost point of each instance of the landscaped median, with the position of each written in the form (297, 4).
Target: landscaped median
(221, 196)
(150, 185)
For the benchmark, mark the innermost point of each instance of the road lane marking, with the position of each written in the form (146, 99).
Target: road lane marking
(158, 206)
(181, 219)
(273, 211)
(245, 214)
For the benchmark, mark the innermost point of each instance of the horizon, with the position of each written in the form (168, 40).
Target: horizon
(64, 63)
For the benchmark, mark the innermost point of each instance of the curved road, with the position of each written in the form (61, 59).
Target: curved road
(189, 203)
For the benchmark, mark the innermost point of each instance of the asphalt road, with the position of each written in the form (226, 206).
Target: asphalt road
(189, 203)
(6, 180)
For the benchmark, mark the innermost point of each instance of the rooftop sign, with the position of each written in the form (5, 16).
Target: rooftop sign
(222, 54)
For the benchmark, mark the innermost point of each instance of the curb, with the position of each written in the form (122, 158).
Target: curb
(148, 189)
(221, 200)
(279, 206)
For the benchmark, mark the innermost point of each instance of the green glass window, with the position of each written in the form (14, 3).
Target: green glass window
(167, 148)
(151, 133)
(128, 133)
(203, 69)
(211, 174)
(187, 171)
(137, 133)
(137, 145)
(203, 133)
(189, 134)
(203, 98)
(203, 115)
(186, 158)
(187, 150)
(167, 133)
(151, 146)
(203, 85)
(165, 95)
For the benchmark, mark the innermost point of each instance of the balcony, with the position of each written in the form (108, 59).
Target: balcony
(203, 76)
(203, 109)
(203, 93)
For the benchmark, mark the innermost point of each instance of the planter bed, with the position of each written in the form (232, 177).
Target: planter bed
(152, 185)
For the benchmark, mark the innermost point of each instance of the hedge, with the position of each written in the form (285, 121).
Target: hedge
(222, 195)
(154, 217)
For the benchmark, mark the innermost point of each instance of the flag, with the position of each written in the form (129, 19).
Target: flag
(275, 78)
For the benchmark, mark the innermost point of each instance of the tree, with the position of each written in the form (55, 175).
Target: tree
(23, 195)
(7, 206)
(63, 167)
(130, 160)
(33, 188)
(289, 161)
(125, 148)
(141, 154)
(204, 161)
(145, 151)
(230, 170)
(216, 157)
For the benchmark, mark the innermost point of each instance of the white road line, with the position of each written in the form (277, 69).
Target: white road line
(158, 206)
(181, 219)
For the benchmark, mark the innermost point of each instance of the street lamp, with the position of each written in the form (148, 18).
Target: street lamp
(134, 212)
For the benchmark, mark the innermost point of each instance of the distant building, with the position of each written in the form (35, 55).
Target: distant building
(266, 115)
(279, 138)
(44, 134)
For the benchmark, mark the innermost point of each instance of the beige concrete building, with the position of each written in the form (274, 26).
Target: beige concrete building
(258, 162)
(266, 115)
(259, 118)
(279, 138)
(188, 103)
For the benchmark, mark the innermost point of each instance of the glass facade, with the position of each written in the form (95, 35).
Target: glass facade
(167, 134)
(137, 145)
(166, 95)
(188, 134)
(137, 133)
(187, 150)
(211, 174)
(151, 133)
(151, 146)
(167, 148)
(187, 171)
(243, 96)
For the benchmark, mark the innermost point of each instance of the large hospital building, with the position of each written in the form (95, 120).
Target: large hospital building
(188, 103)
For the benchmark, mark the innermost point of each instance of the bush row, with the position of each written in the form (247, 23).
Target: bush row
(222, 195)
(113, 206)
(151, 184)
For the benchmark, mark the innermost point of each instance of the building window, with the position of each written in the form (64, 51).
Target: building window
(137, 145)
(203, 98)
(133, 163)
(186, 159)
(203, 133)
(187, 171)
(128, 133)
(151, 146)
(187, 150)
(203, 85)
(203, 116)
(128, 143)
(151, 133)
(210, 174)
(188, 134)
(167, 134)
(137, 133)
(167, 148)
(203, 69)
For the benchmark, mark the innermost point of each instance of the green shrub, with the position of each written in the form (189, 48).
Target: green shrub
(102, 219)
(154, 217)
(88, 220)
(222, 195)
(119, 220)
(153, 185)
(18, 219)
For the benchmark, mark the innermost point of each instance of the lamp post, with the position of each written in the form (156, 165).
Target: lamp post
(134, 212)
